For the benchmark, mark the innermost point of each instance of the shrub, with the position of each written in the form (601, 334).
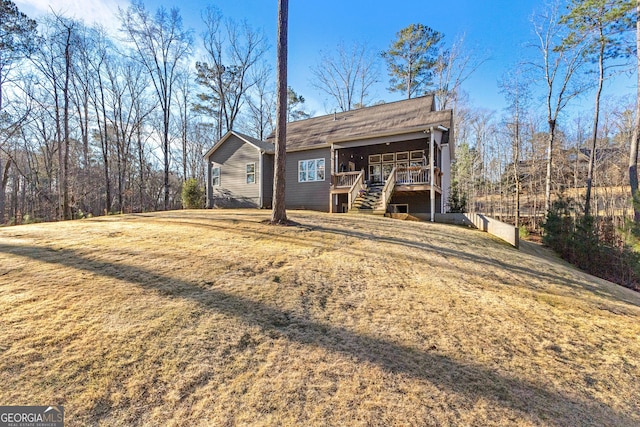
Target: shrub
(594, 245)
(457, 200)
(558, 227)
(523, 232)
(192, 194)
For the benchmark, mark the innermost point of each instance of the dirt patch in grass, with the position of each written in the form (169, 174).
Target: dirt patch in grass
(216, 318)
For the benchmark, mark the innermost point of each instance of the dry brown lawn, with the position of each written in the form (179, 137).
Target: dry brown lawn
(213, 318)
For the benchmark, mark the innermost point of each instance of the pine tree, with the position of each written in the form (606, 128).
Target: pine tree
(411, 59)
(279, 213)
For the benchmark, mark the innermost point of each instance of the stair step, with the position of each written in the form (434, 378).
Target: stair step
(369, 202)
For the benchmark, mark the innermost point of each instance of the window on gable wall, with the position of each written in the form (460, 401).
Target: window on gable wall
(215, 176)
(251, 173)
(311, 170)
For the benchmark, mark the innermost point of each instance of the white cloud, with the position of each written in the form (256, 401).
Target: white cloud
(103, 12)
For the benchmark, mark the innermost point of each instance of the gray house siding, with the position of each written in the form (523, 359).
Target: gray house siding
(308, 195)
(232, 157)
(417, 203)
(267, 180)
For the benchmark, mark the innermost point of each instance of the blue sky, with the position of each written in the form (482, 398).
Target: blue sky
(496, 29)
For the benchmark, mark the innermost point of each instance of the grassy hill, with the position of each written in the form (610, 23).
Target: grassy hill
(213, 318)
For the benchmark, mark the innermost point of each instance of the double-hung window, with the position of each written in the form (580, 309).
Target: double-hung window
(311, 170)
(251, 173)
(215, 176)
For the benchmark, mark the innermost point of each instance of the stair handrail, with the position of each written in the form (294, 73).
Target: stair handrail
(388, 188)
(355, 188)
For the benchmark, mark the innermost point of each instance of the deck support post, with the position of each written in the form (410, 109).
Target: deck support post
(432, 193)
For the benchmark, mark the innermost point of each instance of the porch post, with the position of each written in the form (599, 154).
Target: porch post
(432, 193)
(332, 169)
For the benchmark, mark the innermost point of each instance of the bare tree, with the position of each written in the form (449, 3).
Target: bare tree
(482, 126)
(184, 101)
(16, 35)
(99, 59)
(453, 67)
(601, 25)
(633, 151)
(161, 44)
(261, 104)
(279, 213)
(516, 93)
(81, 82)
(346, 76)
(233, 51)
(557, 69)
(53, 59)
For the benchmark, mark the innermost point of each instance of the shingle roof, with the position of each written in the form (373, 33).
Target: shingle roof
(384, 119)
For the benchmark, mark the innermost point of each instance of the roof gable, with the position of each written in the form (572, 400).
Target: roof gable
(265, 146)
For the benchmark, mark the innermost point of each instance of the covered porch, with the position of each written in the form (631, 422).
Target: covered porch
(400, 169)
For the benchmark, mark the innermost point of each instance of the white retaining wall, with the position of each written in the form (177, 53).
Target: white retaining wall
(506, 232)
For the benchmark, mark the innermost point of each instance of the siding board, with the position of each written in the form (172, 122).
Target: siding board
(267, 180)
(232, 157)
(308, 195)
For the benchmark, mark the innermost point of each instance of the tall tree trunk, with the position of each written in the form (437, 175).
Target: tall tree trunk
(104, 139)
(633, 152)
(547, 190)
(594, 135)
(119, 156)
(14, 199)
(142, 165)
(516, 167)
(279, 214)
(59, 213)
(184, 140)
(4, 180)
(165, 142)
(66, 209)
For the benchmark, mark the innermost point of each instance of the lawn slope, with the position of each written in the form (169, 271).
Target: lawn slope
(208, 318)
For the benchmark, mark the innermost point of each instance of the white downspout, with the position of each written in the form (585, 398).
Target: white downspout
(432, 177)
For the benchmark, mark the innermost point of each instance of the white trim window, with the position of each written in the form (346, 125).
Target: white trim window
(251, 173)
(311, 170)
(215, 176)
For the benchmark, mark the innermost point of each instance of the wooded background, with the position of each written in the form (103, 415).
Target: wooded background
(95, 121)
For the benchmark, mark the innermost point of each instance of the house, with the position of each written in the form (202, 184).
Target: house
(392, 157)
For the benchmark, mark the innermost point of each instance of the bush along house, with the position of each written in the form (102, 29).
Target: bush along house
(388, 158)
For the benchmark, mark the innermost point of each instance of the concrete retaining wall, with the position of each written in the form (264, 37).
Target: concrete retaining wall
(506, 232)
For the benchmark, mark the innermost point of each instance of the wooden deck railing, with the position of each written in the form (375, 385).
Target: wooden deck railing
(388, 188)
(345, 179)
(355, 187)
(412, 175)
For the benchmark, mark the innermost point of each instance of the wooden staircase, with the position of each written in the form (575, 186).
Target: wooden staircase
(369, 202)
